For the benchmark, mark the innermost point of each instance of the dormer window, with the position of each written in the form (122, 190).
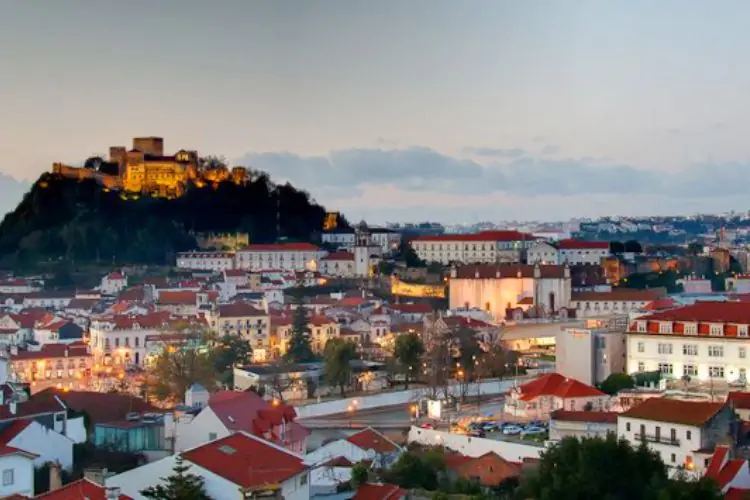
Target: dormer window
(641, 326)
(665, 327)
(742, 330)
(691, 329)
(716, 330)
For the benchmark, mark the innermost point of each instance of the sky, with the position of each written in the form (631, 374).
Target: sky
(399, 110)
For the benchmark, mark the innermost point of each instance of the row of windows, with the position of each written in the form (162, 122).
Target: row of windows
(714, 351)
(690, 370)
(136, 342)
(692, 329)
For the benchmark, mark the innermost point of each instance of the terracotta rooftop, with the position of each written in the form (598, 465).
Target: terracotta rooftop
(508, 271)
(481, 236)
(48, 351)
(674, 411)
(101, 406)
(239, 310)
(490, 469)
(709, 312)
(83, 489)
(600, 417)
(246, 460)
(554, 384)
(722, 468)
(739, 399)
(177, 297)
(340, 256)
(379, 492)
(370, 439)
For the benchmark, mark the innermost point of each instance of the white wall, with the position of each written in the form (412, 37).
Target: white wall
(338, 448)
(487, 387)
(23, 475)
(48, 444)
(473, 446)
(195, 432)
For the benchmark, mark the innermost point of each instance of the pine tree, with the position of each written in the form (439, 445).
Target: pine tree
(299, 349)
(180, 485)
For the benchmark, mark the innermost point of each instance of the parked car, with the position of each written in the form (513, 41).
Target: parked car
(533, 430)
(512, 430)
(478, 433)
(490, 427)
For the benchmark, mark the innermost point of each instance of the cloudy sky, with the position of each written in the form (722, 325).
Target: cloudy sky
(396, 109)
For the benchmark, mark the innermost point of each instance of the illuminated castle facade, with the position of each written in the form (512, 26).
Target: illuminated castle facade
(145, 169)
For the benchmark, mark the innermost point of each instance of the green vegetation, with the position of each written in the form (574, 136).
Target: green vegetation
(299, 349)
(337, 368)
(617, 382)
(595, 469)
(408, 354)
(80, 221)
(180, 485)
(229, 351)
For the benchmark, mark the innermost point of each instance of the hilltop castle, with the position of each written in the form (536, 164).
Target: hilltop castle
(145, 169)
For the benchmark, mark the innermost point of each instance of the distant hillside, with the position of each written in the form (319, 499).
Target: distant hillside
(11, 192)
(79, 221)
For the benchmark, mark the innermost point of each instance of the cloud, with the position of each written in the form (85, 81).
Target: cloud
(494, 152)
(550, 150)
(11, 193)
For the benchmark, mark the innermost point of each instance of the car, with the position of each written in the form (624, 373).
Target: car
(427, 425)
(478, 433)
(536, 423)
(475, 425)
(533, 430)
(512, 430)
(490, 427)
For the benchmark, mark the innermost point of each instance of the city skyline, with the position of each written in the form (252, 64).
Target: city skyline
(400, 111)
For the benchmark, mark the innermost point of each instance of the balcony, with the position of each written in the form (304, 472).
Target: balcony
(647, 438)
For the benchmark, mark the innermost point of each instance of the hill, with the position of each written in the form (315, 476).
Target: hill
(81, 221)
(11, 192)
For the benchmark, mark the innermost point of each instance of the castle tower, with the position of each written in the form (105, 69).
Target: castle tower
(152, 146)
(362, 244)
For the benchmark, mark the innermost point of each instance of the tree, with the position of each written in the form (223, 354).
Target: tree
(594, 469)
(228, 352)
(299, 349)
(177, 368)
(468, 358)
(337, 368)
(632, 246)
(180, 485)
(617, 382)
(360, 473)
(408, 352)
(694, 248)
(616, 247)
(409, 256)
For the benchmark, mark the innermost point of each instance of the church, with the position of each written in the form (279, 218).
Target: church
(512, 291)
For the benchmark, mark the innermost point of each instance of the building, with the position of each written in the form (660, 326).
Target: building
(731, 474)
(322, 328)
(365, 445)
(53, 365)
(581, 424)
(592, 352)
(48, 299)
(282, 256)
(230, 412)
(571, 252)
(337, 265)
(17, 468)
(31, 436)
(206, 261)
(500, 289)
(82, 489)
(683, 433)
(386, 240)
(705, 341)
(235, 466)
(243, 320)
(120, 340)
(113, 283)
(618, 301)
(487, 247)
(540, 397)
(370, 491)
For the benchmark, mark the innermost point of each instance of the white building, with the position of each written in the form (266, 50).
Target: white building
(121, 340)
(367, 444)
(386, 240)
(48, 299)
(282, 256)
(540, 397)
(483, 247)
(33, 437)
(593, 351)
(337, 265)
(581, 424)
(704, 341)
(364, 250)
(228, 466)
(618, 301)
(19, 285)
(244, 320)
(683, 433)
(113, 283)
(571, 252)
(500, 289)
(206, 261)
(17, 468)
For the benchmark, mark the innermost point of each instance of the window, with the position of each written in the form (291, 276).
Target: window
(743, 352)
(666, 368)
(303, 479)
(641, 346)
(716, 371)
(716, 351)
(690, 349)
(673, 458)
(691, 329)
(641, 366)
(716, 330)
(690, 370)
(673, 435)
(665, 348)
(7, 477)
(742, 331)
(627, 426)
(688, 435)
(212, 436)
(665, 327)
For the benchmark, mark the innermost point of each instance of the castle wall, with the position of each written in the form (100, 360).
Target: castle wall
(149, 145)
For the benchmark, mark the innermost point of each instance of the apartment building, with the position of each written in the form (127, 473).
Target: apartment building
(593, 351)
(205, 261)
(570, 251)
(282, 256)
(244, 320)
(703, 341)
(485, 247)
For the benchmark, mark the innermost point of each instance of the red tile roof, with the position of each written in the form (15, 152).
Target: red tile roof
(239, 310)
(660, 304)
(340, 256)
(675, 411)
(246, 460)
(83, 489)
(47, 351)
(600, 417)
(739, 399)
(506, 271)
(481, 236)
(6, 450)
(554, 384)
(115, 276)
(491, 469)
(423, 308)
(453, 460)
(9, 433)
(101, 406)
(282, 247)
(737, 494)
(379, 492)
(177, 297)
(710, 312)
(370, 439)
(573, 244)
(722, 469)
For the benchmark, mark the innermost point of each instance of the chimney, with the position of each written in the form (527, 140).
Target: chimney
(13, 407)
(113, 493)
(55, 478)
(95, 475)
